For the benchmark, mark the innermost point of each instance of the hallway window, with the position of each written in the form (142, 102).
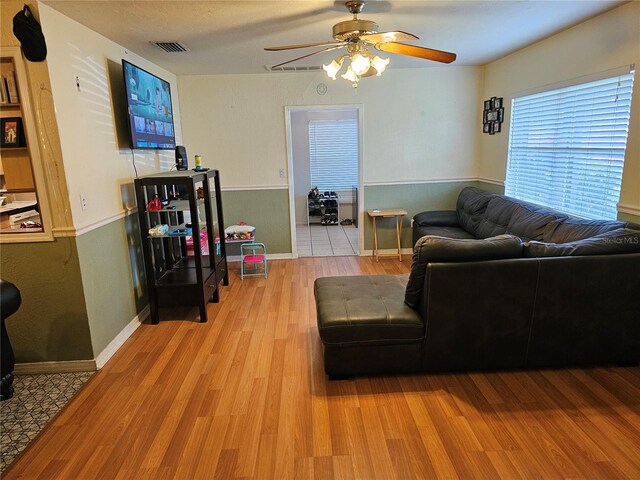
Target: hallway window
(567, 147)
(333, 150)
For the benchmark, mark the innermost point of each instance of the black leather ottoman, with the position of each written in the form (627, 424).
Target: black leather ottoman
(366, 327)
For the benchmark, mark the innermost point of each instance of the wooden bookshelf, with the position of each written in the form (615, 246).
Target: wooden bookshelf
(18, 179)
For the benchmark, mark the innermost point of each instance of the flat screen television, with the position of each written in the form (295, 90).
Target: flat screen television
(149, 106)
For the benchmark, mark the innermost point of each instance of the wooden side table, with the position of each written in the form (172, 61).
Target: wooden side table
(386, 213)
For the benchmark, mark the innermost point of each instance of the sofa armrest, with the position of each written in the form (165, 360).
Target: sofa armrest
(437, 218)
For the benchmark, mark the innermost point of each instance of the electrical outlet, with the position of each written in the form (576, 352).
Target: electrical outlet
(282, 173)
(83, 202)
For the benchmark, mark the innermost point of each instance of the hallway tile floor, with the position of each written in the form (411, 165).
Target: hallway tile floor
(326, 240)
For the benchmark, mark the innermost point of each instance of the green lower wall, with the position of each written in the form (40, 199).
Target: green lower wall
(414, 198)
(267, 210)
(112, 277)
(52, 323)
(627, 217)
(490, 187)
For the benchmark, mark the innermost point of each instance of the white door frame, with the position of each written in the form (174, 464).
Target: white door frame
(292, 210)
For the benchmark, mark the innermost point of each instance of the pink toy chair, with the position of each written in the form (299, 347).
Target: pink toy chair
(254, 260)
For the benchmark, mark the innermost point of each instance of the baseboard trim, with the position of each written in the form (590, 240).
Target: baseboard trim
(270, 256)
(55, 367)
(122, 337)
(387, 251)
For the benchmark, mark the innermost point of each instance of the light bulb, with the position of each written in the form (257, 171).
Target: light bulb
(379, 64)
(334, 67)
(360, 63)
(351, 76)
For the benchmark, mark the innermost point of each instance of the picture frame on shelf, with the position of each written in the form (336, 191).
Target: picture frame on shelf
(11, 132)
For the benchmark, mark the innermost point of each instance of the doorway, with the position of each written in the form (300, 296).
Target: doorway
(324, 145)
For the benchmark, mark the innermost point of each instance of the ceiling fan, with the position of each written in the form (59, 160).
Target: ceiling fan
(358, 35)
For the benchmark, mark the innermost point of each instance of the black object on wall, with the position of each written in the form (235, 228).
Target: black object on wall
(492, 116)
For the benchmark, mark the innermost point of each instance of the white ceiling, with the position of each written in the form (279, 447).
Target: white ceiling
(228, 36)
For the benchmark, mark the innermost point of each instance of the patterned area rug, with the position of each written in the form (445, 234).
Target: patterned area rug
(37, 399)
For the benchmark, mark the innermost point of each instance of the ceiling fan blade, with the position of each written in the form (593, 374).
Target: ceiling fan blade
(420, 52)
(306, 45)
(308, 55)
(385, 37)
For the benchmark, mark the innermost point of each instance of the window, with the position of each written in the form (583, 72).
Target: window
(567, 147)
(333, 150)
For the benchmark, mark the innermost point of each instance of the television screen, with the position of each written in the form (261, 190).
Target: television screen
(149, 104)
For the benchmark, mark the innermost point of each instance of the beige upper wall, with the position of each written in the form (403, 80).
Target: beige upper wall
(419, 124)
(92, 134)
(608, 41)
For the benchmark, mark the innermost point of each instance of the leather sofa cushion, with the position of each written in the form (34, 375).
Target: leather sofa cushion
(471, 207)
(618, 241)
(447, 232)
(572, 229)
(530, 221)
(497, 217)
(365, 309)
(437, 218)
(431, 249)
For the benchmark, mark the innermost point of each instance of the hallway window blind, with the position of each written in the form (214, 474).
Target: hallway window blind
(567, 147)
(333, 151)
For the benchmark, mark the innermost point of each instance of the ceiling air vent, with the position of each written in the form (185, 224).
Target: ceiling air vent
(171, 47)
(293, 68)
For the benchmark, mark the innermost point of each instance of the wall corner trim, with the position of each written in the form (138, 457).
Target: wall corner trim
(105, 221)
(630, 209)
(64, 232)
(491, 181)
(55, 367)
(122, 337)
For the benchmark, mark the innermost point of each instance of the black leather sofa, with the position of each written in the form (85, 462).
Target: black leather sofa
(10, 301)
(496, 284)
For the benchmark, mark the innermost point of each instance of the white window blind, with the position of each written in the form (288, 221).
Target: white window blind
(567, 147)
(333, 150)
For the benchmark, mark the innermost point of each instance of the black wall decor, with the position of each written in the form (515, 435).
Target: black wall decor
(492, 116)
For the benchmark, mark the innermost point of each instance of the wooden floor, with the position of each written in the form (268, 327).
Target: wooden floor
(244, 396)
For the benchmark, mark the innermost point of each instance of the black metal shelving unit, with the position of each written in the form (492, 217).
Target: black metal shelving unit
(175, 276)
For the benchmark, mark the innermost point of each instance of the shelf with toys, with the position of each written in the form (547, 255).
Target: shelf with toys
(171, 207)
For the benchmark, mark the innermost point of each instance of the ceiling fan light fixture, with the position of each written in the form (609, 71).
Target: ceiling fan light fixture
(351, 76)
(334, 67)
(380, 64)
(360, 64)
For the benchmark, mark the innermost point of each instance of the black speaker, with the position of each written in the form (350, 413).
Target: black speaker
(181, 158)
